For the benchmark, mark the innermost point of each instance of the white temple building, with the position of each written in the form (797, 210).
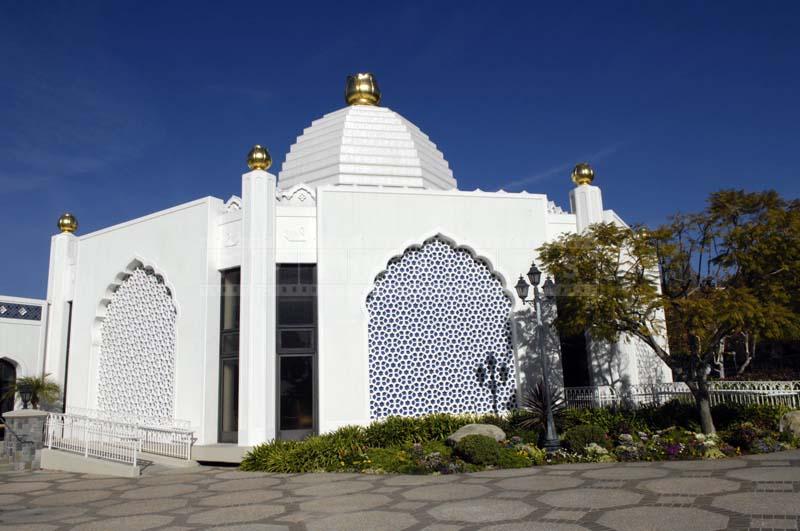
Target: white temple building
(358, 283)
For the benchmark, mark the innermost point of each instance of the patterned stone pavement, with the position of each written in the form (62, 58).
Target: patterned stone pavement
(756, 492)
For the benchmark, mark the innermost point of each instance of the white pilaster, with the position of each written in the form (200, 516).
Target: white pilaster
(257, 361)
(587, 205)
(60, 289)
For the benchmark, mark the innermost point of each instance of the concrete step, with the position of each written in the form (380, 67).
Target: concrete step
(68, 462)
(220, 453)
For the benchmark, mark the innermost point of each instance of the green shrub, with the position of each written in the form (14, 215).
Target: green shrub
(613, 421)
(751, 438)
(274, 456)
(673, 413)
(437, 446)
(399, 431)
(511, 458)
(339, 450)
(390, 460)
(316, 453)
(763, 416)
(537, 455)
(579, 437)
(393, 431)
(478, 450)
(617, 421)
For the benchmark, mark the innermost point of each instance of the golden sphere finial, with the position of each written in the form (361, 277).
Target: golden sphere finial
(582, 174)
(67, 223)
(362, 89)
(258, 158)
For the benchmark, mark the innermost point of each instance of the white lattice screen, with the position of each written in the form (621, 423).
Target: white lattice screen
(439, 336)
(137, 352)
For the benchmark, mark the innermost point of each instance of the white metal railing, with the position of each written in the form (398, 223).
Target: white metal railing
(92, 437)
(111, 439)
(127, 418)
(170, 442)
(731, 392)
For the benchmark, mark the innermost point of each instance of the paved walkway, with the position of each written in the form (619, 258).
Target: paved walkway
(753, 492)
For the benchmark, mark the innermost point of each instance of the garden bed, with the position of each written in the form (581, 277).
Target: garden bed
(417, 445)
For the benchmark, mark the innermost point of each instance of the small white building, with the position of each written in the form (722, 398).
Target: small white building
(357, 284)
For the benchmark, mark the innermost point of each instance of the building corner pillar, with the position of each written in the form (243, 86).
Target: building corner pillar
(60, 290)
(257, 363)
(586, 202)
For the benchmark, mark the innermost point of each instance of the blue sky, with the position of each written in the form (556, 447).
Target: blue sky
(117, 109)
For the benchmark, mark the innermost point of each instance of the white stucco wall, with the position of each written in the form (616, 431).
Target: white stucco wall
(178, 244)
(360, 230)
(22, 341)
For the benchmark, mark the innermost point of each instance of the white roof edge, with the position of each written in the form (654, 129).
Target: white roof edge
(342, 188)
(22, 300)
(191, 204)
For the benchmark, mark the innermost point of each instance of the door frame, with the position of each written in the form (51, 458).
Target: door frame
(227, 437)
(5, 362)
(313, 351)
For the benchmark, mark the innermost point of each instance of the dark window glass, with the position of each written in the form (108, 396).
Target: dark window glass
(230, 344)
(287, 274)
(230, 299)
(295, 311)
(296, 339)
(308, 274)
(305, 274)
(229, 357)
(229, 397)
(8, 376)
(297, 385)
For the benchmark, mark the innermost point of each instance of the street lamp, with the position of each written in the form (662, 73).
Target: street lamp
(25, 394)
(551, 442)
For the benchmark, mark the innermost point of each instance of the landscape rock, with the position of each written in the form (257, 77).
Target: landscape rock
(489, 430)
(791, 422)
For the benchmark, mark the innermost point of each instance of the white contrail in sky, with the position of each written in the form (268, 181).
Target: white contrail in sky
(561, 168)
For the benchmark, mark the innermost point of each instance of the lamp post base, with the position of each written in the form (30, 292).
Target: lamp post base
(552, 445)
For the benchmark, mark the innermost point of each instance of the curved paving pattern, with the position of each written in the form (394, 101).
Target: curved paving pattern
(757, 492)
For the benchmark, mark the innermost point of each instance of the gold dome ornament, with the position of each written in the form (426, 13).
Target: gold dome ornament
(362, 89)
(258, 158)
(582, 174)
(67, 223)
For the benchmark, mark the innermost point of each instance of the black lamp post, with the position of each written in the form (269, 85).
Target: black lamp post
(551, 442)
(25, 394)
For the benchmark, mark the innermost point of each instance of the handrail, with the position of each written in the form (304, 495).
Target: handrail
(127, 418)
(169, 442)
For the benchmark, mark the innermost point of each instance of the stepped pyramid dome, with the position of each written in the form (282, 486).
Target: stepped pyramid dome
(366, 145)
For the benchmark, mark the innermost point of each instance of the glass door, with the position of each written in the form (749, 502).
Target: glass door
(8, 376)
(229, 358)
(296, 349)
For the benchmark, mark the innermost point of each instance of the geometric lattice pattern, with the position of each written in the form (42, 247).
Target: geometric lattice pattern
(137, 353)
(648, 364)
(25, 312)
(439, 336)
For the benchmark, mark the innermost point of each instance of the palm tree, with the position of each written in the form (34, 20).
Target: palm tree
(533, 413)
(43, 389)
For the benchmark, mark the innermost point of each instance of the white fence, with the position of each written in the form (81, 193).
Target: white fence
(170, 442)
(733, 392)
(126, 418)
(115, 441)
(92, 438)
